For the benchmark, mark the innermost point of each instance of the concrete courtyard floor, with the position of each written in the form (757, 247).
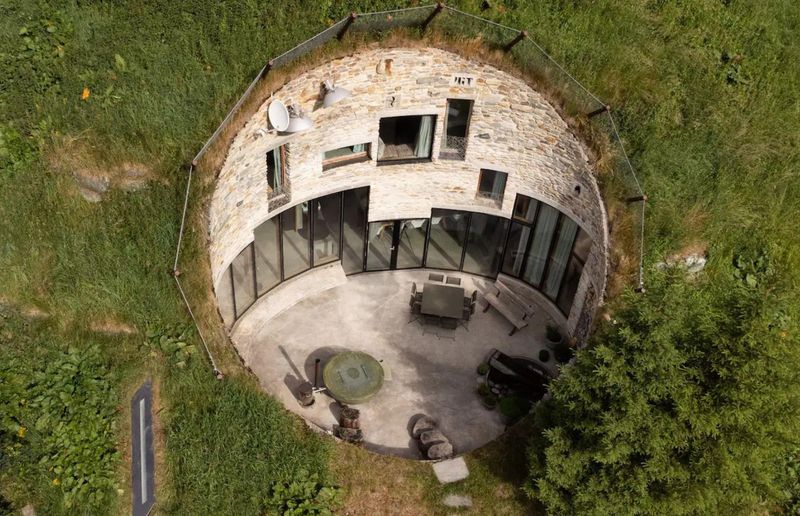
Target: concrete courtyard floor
(424, 373)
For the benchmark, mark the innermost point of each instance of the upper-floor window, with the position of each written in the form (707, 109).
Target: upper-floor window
(345, 155)
(405, 138)
(276, 169)
(454, 143)
(492, 185)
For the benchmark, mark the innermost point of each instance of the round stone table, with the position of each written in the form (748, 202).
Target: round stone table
(352, 377)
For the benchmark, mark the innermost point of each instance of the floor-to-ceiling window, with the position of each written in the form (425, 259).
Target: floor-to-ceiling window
(354, 221)
(268, 255)
(487, 235)
(296, 232)
(244, 283)
(448, 234)
(327, 228)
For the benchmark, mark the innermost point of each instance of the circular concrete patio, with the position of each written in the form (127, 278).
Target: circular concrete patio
(324, 313)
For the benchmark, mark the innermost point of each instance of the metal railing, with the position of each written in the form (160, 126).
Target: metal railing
(528, 56)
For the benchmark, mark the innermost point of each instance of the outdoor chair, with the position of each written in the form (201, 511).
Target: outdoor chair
(449, 323)
(452, 280)
(432, 320)
(435, 277)
(467, 315)
(415, 293)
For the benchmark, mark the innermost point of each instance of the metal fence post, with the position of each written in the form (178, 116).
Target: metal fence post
(522, 35)
(347, 24)
(599, 111)
(436, 10)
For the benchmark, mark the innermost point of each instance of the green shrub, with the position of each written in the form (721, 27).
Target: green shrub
(552, 333)
(483, 368)
(484, 389)
(514, 407)
(303, 495)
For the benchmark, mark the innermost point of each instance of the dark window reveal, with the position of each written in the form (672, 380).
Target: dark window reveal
(405, 138)
(276, 169)
(345, 155)
(454, 143)
(492, 185)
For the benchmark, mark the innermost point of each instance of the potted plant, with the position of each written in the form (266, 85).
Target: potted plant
(513, 408)
(490, 401)
(544, 356)
(553, 336)
(562, 353)
(483, 368)
(484, 389)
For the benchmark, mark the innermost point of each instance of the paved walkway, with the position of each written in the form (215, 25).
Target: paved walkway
(424, 373)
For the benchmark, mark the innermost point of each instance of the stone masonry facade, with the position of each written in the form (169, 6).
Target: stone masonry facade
(512, 129)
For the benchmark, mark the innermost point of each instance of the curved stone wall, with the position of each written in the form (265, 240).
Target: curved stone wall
(512, 129)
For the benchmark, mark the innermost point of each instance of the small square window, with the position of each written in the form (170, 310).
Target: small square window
(525, 208)
(492, 185)
(345, 155)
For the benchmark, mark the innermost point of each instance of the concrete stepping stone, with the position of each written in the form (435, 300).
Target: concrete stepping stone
(457, 501)
(452, 470)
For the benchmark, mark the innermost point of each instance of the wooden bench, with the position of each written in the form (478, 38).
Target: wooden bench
(510, 305)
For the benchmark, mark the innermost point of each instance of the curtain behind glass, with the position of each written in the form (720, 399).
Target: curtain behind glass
(542, 236)
(560, 256)
(276, 159)
(359, 147)
(424, 136)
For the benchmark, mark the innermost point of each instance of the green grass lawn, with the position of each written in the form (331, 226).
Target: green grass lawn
(705, 94)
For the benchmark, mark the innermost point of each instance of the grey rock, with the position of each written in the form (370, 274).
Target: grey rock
(90, 195)
(440, 451)
(431, 437)
(452, 470)
(423, 424)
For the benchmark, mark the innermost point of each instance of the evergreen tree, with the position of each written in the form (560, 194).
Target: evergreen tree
(684, 403)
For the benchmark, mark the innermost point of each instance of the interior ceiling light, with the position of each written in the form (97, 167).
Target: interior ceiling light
(333, 94)
(298, 122)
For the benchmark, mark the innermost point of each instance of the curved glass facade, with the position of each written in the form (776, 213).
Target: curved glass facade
(539, 245)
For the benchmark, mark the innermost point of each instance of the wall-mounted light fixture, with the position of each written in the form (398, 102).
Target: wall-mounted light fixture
(298, 122)
(333, 94)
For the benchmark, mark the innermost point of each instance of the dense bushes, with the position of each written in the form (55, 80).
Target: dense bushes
(683, 403)
(57, 421)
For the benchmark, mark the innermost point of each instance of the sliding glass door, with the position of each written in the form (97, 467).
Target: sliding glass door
(396, 244)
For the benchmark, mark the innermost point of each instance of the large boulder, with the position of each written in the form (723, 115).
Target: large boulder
(422, 424)
(431, 437)
(440, 451)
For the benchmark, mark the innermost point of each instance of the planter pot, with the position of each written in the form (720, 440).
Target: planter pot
(554, 344)
(489, 403)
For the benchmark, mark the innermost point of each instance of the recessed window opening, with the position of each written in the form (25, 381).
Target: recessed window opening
(406, 138)
(454, 143)
(492, 185)
(276, 169)
(345, 155)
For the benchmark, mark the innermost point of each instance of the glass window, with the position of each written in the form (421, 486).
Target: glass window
(379, 251)
(560, 256)
(525, 208)
(327, 224)
(224, 292)
(540, 246)
(583, 244)
(448, 232)
(345, 155)
(355, 221)
(487, 235)
(454, 143)
(268, 255)
(570, 286)
(411, 243)
(515, 250)
(276, 168)
(405, 137)
(244, 283)
(295, 226)
(492, 184)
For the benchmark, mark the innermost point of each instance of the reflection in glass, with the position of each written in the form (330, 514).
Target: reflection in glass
(379, 250)
(583, 244)
(327, 218)
(411, 243)
(296, 230)
(355, 220)
(542, 236)
(243, 280)
(570, 286)
(268, 255)
(559, 256)
(485, 241)
(448, 230)
(224, 292)
(515, 250)
(525, 208)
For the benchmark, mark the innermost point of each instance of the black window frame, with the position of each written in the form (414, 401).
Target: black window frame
(455, 154)
(405, 160)
(489, 195)
(283, 174)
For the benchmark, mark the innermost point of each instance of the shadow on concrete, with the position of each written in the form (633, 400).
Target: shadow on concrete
(324, 354)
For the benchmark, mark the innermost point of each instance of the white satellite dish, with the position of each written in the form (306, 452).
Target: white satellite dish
(278, 115)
